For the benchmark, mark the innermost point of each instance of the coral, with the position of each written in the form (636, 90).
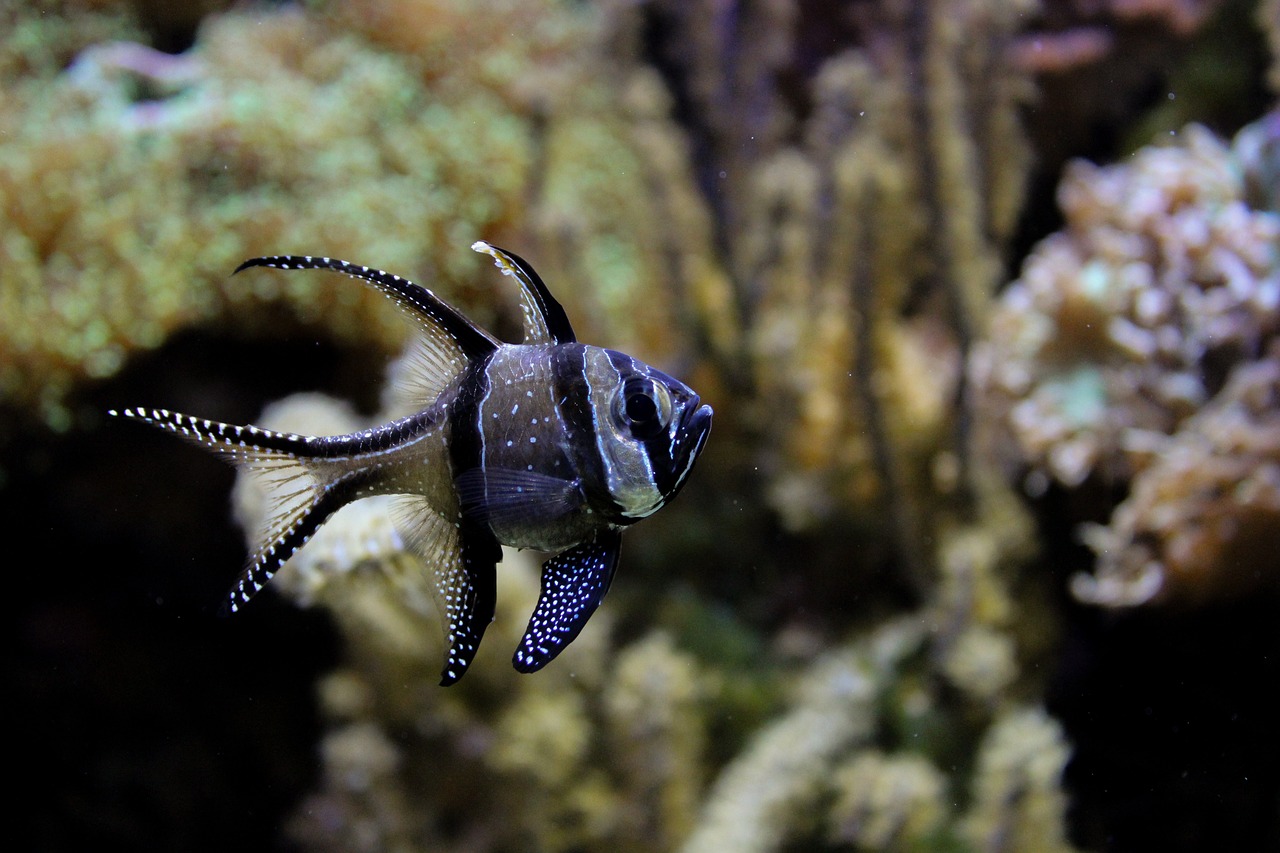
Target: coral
(818, 767)
(1126, 322)
(1017, 801)
(888, 802)
(777, 781)
(194, 166)
(1131, 350)
(862, 230)
(900, 801)
(1203, 520)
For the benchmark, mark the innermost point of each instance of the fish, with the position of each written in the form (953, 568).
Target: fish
(549, 444)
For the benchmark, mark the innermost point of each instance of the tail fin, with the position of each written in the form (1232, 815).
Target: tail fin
(305, 490)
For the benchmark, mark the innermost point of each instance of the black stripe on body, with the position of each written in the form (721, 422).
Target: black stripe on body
(466, 440)
(469, 600)
(266, 562)
(579, 416)
(419, 302)
(658, 450)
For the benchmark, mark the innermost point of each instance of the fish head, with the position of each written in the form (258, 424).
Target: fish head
(651, 433)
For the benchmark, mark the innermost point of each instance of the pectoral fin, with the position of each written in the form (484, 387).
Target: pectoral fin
(574, 583)
(506, 498)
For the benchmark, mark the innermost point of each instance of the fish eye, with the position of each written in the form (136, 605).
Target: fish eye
(643, 407)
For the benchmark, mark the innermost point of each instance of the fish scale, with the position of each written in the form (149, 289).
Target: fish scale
(547, 443)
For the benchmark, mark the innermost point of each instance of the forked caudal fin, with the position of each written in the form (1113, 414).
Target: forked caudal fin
(305, 487)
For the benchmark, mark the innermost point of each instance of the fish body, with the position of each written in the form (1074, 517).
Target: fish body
(549, 444)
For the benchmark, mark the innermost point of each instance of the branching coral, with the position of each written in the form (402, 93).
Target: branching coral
(863, 236)
(1017, 802)
(818, 767)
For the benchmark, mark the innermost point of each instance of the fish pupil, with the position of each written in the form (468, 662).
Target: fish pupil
(641, 409)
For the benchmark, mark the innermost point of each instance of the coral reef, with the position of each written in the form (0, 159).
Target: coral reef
(805, 208)
(1125, 322)
(195, 166)
(1130, 326)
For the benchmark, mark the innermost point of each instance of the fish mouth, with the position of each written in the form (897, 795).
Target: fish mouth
(695, 426)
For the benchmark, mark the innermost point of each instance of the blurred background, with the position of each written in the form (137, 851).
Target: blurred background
(980, 555)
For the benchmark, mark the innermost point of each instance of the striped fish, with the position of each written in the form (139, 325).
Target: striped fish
(548, 444)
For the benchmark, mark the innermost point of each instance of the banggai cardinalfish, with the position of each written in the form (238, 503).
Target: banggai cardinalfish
(547, 444)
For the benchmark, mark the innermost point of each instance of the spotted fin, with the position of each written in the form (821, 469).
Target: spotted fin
(446, 339)
(304, 489)
(574, 583)
(545, 321)
(503, 498)
(464, 558)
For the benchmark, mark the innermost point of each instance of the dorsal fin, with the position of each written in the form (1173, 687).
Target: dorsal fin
(447, 339)
(544, 319)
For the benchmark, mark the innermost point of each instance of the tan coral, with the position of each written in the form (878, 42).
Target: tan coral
(1018, 805)
(1117, 322)
(1204, 519)
(888, 802)
(1131, 350)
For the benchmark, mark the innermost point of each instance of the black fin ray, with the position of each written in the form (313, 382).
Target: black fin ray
(420, 303)
(503, 496)
(545, 321)
(237, 443)
(574, 582)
